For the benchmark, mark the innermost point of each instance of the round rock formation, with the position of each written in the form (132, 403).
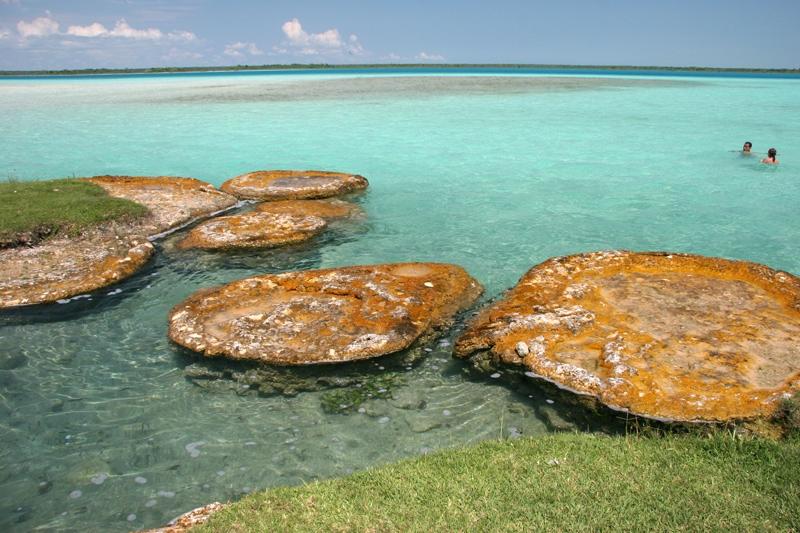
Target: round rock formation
(255, 229)
(667, 336)
(61, 268)
(293, 184)
(323, 316)
(173, 202)
(330, 209)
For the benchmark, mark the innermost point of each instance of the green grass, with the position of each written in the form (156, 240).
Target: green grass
(35, 210)
(561, 482)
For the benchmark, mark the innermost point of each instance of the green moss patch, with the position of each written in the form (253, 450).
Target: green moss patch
(563, 482)
(35, 210)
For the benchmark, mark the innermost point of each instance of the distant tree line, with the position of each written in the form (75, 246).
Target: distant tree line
(326, 66)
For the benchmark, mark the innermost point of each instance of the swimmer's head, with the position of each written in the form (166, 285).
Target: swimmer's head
(772, 152)
(747, 146)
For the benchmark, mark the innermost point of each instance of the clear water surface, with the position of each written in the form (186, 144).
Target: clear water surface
(99, 430)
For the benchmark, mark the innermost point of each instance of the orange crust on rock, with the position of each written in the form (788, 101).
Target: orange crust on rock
(329, 209)
(252, 230)
(63, 268)
(293, 184)
(172, 201)
(667, 336)
(190, 520)
(323, 316)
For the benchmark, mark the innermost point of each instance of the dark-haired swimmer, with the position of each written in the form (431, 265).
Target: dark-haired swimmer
(746, 148)
(771, 159)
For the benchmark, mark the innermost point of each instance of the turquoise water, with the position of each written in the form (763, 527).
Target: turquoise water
(495, 173)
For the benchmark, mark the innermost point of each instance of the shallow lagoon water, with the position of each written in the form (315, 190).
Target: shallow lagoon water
(99, 430)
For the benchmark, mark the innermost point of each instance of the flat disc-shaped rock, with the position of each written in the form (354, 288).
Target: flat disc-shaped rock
(253, 230)
(330, 209)
(323, 316)
(172, 201)
(61, 268)
(293, 184)
(666, 336)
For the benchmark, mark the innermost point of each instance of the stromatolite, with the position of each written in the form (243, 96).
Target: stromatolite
(62, 267)
(323, 316)
(666, 336)
(252, 230)
(172, 201)
(268, 225)
(329, 209)
(293, 184)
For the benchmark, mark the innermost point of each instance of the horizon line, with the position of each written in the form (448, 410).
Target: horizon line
(319, 66)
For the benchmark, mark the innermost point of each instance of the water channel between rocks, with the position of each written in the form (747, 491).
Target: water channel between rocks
(99, 428)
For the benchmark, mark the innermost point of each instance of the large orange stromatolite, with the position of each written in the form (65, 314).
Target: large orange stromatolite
(667, 336)
(252, 230)
(323, 316)
(293, 184)
(172, 201)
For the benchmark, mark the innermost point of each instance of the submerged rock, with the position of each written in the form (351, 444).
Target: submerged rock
(323, 316)
(172, 201)
(667, 336)
(253, 230)
(330, 209)
(293, 184)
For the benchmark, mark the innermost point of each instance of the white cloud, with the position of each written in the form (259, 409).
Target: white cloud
(38, 27)
(92, 30)
(424, 56)
(4, 34)
(123, 29)
(47, 26)
(181, 36)
(239, 49)
(323, 43)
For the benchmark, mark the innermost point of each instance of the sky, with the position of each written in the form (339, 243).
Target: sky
(71, 34)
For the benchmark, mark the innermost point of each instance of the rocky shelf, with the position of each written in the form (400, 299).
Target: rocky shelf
(667, 336)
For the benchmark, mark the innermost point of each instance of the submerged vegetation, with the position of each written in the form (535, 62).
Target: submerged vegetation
(573, 482)
(35, 210)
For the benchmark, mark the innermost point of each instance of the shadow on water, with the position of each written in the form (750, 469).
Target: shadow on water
(562, 410)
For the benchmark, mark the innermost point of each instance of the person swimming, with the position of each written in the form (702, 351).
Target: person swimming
(746, 148)
(771, 159)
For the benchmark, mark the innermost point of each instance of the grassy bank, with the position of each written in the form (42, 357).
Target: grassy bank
(576, 482)
(34, 210)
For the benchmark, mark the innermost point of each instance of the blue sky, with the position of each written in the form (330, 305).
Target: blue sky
(53, 34)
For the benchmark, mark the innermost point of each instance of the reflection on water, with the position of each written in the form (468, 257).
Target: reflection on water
(98, 423)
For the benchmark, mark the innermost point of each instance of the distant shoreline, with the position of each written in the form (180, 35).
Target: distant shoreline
(324, 66)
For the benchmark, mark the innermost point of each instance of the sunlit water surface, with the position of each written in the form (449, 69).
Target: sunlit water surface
(99, 430)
